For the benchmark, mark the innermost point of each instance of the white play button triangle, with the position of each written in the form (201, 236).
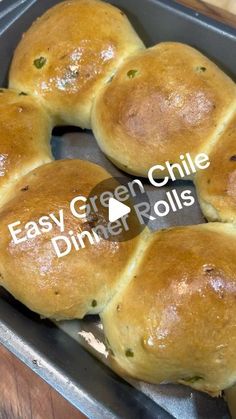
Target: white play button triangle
(117, 210)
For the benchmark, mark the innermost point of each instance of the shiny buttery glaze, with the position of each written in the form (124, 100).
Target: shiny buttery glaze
(167, 299)
(69, 53)
(175, 321)
(25, 138)
(216, 186)
(165, 101)
(78, 284)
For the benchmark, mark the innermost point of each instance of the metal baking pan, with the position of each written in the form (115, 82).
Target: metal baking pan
(68, 355)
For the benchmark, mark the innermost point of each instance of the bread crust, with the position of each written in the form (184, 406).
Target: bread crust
(69, 53)
(165, 101)
(166, 299)
(25, 138)
(216, 186)
(83, 281)
(175, 320)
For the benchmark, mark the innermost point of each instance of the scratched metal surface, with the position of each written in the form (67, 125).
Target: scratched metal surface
(55, 351)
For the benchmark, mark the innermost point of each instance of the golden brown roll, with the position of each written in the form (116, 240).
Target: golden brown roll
(175, 321)
(163, 102)
(59, 287)
(69, 54)
(216, 186)
(25, 138)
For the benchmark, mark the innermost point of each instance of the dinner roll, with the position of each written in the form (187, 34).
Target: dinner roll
(216, 186)
(69, 54)
(74, 285)
(25, 138)
(163, 102)
(175, 321)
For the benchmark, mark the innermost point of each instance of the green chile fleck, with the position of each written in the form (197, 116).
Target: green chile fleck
(94, 303)
(111, 352)
(201, 69)
(132, 73)
(129, 353)
(111, 78)
(40, 62)
(193, 379)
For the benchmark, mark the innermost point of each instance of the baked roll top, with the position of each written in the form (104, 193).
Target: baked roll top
(216, 186)
(69, 54)
(25, 136)
(163, 102)
(79, 283)
(175, 321)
